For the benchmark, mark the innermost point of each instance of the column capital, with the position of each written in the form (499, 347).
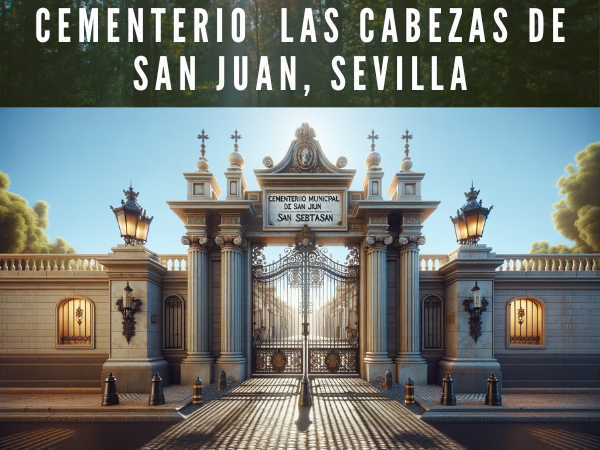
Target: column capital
(200, 242)
(377, 242)
(408, 242)
(227, 242)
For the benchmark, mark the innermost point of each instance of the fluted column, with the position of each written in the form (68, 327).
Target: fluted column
(198, 312)
(198, 362)
(376, 357)
(231, 300)
(409, 360)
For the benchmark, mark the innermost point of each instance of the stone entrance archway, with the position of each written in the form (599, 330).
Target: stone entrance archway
(305, 312)
(304, 189)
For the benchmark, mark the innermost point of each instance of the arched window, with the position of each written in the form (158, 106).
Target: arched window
(75, 323)
(526, 323)
(173, 318)
(432, 315)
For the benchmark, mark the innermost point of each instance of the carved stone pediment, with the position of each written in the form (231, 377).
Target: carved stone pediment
(305, 155)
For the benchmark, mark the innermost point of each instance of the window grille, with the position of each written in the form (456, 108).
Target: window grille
(75, 321)
(173, 322)
(432, 322)
(526, 322)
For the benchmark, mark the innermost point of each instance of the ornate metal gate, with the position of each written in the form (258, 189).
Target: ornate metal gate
(305, 311)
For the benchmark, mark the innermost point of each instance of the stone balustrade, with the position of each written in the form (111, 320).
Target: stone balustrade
(174, 262)
(50, 262)
(549, 263)
(432, 262)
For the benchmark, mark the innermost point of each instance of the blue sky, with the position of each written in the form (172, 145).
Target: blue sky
(80, 160)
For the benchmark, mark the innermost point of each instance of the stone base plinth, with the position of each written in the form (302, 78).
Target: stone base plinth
(191, 371)
(469, 375)
(416, 371)
(235, 370)
(375, 370)
(135, 375)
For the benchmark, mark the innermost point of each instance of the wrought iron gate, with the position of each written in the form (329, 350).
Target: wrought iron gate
(305, 311)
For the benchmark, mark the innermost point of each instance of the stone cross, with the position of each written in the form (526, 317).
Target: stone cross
(203, 137)
(406, 137)
(373, 136)
(236, 136)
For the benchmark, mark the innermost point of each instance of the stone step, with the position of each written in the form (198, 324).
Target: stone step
(51, 383)
(49, 390)
(63, 358)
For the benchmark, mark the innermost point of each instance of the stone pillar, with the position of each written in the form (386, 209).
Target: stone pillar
(232, 359)
(199, 361)
(134, 362)
(377, 360)
(469, 361)
(409, 362)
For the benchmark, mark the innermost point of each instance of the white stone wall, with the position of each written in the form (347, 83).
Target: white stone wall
(28, 310)
(572, 301)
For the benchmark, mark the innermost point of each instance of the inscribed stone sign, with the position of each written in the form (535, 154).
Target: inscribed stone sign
(317, 209)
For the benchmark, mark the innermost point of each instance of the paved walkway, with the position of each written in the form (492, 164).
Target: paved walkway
(263, 413)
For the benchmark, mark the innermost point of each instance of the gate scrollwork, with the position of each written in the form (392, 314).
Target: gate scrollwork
(303, 290)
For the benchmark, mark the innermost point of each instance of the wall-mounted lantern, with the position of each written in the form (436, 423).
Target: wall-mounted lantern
(128, 306)
(131, 217)
(470, 219)
(475, 306)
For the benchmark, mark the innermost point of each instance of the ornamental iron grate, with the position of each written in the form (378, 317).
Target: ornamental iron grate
(304, 286)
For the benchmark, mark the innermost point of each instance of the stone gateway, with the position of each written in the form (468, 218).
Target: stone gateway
(222, 306)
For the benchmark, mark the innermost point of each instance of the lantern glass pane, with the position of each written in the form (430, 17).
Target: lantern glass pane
(472, 224)
(142, 230)
(481, 224)
(121, 222)
(457, 231)
(131, 223)
(463, 229)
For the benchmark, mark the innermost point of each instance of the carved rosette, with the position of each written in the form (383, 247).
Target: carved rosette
(201, 242)
(229, 242)
(410, 242)
(377, 242)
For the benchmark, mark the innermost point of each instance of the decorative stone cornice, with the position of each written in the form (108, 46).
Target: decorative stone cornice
(197, 242)
(236, 242)
(408, 242)
(377, 242)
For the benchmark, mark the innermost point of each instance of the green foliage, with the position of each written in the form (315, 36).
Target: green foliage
(513, 73)
(22, 227)
(577, 215)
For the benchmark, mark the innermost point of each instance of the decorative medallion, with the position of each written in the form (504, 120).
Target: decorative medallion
(278, 361)
(79, 315)
(305, 157)
(260, 362)
(352, 362)
(332, 360)
(521, 312)
(305, 240)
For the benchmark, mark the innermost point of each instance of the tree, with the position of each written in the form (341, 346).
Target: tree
(577, 215)
(22, 228)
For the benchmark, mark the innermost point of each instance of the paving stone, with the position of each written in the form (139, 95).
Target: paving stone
(264, 413)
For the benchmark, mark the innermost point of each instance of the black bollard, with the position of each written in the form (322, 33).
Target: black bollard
(197, 392)
(388, 380)
(492, 396)
(157, 396)
(110, 397)
(222, 382)
(410, 392)
(448, 398)
(305, 397)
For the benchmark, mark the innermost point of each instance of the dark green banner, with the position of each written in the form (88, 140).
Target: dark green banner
(472, 53)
